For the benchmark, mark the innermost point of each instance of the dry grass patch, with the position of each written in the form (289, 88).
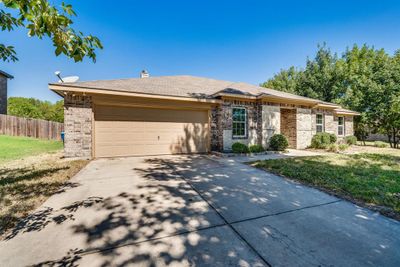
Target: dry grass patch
(25, 184)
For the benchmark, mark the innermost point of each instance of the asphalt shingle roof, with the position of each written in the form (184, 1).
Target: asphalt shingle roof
(184, 86)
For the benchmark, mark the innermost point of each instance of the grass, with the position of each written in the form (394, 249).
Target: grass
(26, 181)
(15, 147)
(369, 179)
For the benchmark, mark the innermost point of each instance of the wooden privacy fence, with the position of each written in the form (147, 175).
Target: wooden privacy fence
(18, 126)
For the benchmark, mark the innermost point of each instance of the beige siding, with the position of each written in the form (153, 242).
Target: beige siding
(125, 131)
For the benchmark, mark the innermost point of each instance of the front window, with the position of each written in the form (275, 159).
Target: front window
(320, 123)
(340, 125)
(239, 122)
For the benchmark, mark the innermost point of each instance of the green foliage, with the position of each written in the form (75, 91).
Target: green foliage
(370, 178)
(363, 79)
(240, 148)
(321, 140)
(380, 144)
(321, 78)
(333, 138)
(285, 80)
(332, 148)
(42, 19)
(256, 149)
(350, 140)
(343, 147)
(36, 109)
(278, 142)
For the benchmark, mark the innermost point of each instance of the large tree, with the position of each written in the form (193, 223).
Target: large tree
(321, 78)
(36, 109)
(43, 19)
(363, 79)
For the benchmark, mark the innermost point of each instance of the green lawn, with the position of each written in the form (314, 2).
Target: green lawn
(15, 147)
(370, 179)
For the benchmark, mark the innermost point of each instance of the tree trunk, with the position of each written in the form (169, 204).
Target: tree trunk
(389, 139)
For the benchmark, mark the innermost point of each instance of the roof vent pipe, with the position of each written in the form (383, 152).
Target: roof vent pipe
(144, 74)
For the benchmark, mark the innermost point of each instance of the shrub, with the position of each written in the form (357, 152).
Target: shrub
(350, 140)
(343, 147)
(333, 138)
(380, 144)
(240, 148)
(256, 148)
(278, 142)
(321, 140)
(332, 148)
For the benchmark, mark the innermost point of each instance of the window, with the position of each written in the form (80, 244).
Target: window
(320, 123)
(239, 122)
(340, 129)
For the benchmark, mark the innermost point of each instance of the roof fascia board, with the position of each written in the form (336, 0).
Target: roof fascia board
(60, 88)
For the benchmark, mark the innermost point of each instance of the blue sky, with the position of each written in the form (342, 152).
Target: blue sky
(245, 41)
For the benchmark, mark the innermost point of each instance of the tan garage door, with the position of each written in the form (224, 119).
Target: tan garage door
(121, 131)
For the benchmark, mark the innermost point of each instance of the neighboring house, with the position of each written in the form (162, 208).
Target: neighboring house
(186, 114)
(3, 91)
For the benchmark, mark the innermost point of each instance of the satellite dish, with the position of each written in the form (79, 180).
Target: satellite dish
(69, 79)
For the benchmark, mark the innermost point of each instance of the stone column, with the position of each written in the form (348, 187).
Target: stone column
(271, 123)
(304, 128)
(78, 119)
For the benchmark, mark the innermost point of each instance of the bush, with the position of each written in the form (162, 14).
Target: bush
(350, 140)
(332, 148)
(239, 148)
(278, 142)
(256, 149)
(321, 140)
(380, 144)
(333, 138)
(343, 147)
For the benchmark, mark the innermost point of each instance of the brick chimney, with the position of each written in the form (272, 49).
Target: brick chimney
(144, 74)
(3, 91)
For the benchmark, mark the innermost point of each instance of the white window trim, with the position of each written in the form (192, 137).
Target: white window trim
(343, 126)
(323, 122)
(245, 123)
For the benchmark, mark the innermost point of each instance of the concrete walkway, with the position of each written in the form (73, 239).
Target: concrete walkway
(203, 211)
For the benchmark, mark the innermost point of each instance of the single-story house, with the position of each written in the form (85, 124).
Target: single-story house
(186, 114)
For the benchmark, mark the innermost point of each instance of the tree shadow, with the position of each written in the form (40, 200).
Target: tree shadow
(164, 222)
(38, 220)
(10, 176)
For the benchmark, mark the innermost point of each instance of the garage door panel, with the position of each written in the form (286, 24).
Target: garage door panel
(135, 131)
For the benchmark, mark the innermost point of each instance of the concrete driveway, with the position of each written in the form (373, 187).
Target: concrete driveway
(202, 211)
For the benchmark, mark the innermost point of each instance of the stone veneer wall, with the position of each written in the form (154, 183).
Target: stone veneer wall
(265, 120)
(78, 126)
(221, 125)
(304, 128)
(348, 125)
(3, 94)
(271, 123)
(329, 123)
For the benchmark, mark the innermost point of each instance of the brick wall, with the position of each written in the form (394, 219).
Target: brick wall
(221, 125)
(289, 125)
(3, 94)
(265, 119)
(78, 126)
